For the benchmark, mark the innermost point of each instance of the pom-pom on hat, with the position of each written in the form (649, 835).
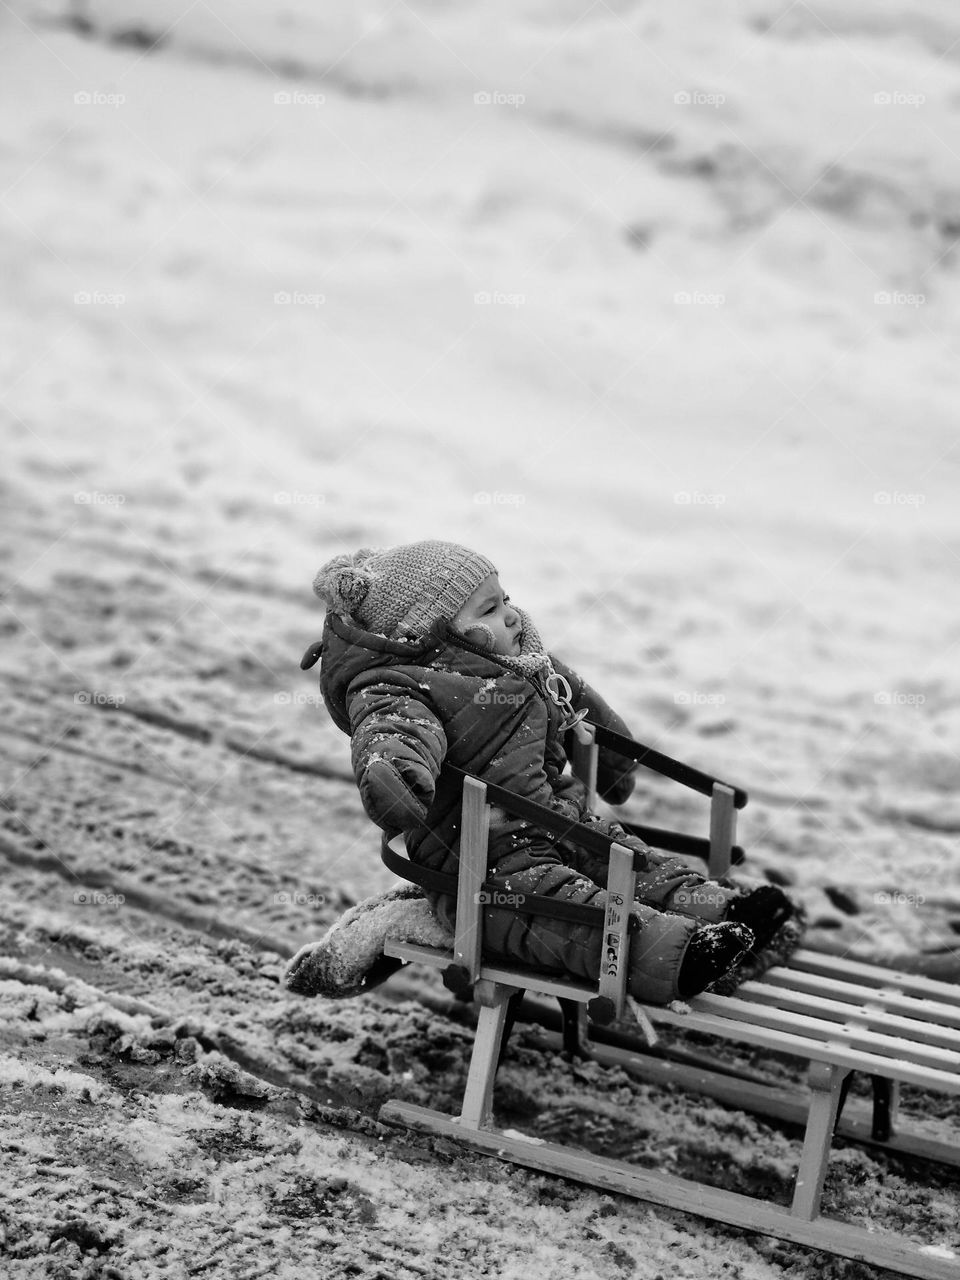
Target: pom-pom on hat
(400, 592)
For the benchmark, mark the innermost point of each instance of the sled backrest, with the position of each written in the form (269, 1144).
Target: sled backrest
(472, 899)
(725, 799)
(472, 894)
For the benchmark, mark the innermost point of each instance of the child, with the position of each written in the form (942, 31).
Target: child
(426, 662)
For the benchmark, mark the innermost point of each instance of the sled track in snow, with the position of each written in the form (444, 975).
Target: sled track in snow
(211, 1038)
(200, 733)
(102, 701)
(141, 898)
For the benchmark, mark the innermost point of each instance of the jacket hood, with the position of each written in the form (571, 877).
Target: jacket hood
(348, 650)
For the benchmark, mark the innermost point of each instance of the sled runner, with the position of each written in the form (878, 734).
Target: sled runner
(839, 1016)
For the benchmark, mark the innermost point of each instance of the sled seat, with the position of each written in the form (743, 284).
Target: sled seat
(837, 1015)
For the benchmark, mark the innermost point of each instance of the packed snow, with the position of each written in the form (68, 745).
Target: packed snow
(655, 306)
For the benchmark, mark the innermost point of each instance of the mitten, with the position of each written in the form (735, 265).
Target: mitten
(396, 791)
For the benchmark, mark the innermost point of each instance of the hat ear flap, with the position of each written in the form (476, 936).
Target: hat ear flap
(480, 634)
(343, 582)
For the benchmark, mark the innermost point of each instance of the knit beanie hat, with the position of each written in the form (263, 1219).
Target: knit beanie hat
(400, 592)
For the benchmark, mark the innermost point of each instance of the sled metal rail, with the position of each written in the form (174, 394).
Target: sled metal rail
(839, 1016)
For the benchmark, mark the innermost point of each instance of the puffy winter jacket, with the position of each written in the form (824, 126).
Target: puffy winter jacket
(411, 711)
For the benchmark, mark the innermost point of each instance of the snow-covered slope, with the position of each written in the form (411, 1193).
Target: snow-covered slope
(655, 305)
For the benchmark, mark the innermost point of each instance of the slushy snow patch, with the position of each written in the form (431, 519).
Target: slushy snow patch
(33, 1076)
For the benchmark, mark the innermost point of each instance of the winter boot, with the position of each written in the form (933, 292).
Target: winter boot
(713, 950)
(764, 910)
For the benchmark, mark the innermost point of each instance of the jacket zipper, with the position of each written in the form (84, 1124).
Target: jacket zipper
(561, 700)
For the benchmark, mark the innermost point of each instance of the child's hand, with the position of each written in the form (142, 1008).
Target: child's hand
(396, 792)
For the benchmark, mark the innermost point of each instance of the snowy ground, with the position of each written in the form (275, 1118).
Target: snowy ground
(665, 322)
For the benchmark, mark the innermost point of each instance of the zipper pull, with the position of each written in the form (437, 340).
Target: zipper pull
(558, 687)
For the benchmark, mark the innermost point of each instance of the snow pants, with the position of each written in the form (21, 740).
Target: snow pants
(671, 903)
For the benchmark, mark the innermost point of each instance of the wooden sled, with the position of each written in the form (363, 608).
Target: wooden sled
(839, 1016)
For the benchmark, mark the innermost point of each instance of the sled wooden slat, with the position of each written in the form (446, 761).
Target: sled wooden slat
(876, 1248)
(584, 759)
(851, 1032)
(566, 988)
(616, 939)
(893, 1001)
(476, 827)
(876, 976)
(814, 1050)
(723, 829)
(871, 1016)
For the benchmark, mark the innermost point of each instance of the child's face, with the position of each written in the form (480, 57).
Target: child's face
(491, 608)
